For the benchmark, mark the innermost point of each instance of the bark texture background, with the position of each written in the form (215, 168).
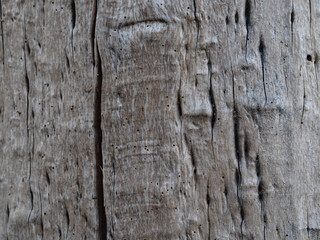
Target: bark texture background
(140, 119)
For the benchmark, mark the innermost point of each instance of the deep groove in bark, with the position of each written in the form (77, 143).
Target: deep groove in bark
(93, 29)
(211, 96)
(292, 18)
(179, 106)
(236, 137)
(303, 104)
(262, 57)
(247, 16)
(310, 13)
(73, 14)
(208, 207)
(98, 152)
(196, 19)
(2, 36)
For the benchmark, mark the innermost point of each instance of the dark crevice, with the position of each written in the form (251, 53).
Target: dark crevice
(73, 21)
(242, 216)
(258, 167)
(8, 211)
(179, 106)
(262, 57)
(67, 219)
(247, 16)
(236, 17)
(236, 136)
(246, 150)
(238, 183)
(147, 21)
(2, 35)
(194, 165)
(316, 60)
(292, 19)
(208, 214)
(98, 151)
(31, 198)
(60, 232)
(196, 19)
(303, 104)
(47, 178)
(27, 82)
(73, 14)
(68, 62)
(310, 15)
(41, 218)
(225, 191)
(261, 192)
(93, 28)
(211, 96)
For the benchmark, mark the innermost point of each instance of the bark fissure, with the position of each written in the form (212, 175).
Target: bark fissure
(211, 96)
(27, 83)
(196, 19)
(310, 15)
(292, 18)
(98, 151)
(73, 14)
(93, 29)
(208, 213)
(247, 16)
(2, 35)
(303, 103)
(262, 58)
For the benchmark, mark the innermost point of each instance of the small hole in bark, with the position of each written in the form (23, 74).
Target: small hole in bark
(227, 20)
(309, 57)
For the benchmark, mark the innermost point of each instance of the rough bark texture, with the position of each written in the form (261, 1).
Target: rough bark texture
(140, 119)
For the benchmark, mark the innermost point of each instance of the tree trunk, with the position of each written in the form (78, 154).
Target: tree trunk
(139, 119)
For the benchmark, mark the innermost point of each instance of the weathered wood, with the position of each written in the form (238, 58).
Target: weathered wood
(139, 119)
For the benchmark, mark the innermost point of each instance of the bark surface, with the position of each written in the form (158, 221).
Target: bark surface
(139, 119)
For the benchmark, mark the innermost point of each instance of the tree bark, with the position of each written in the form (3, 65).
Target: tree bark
(139, 119)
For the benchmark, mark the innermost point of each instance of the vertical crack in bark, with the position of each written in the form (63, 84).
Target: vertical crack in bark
(41, 218)
(196, 19)
(292, 16)
(247, 15)
(98, 151)
(194, 165)
(102, 219)
(262, 57)
(73, 21)
(27, 82)
(73, 14)
(310, 14)
(93, 29)
(2, 36)
(238, 153)
(304, 102)
(211, 96)
(208, 213)
(316, 61)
